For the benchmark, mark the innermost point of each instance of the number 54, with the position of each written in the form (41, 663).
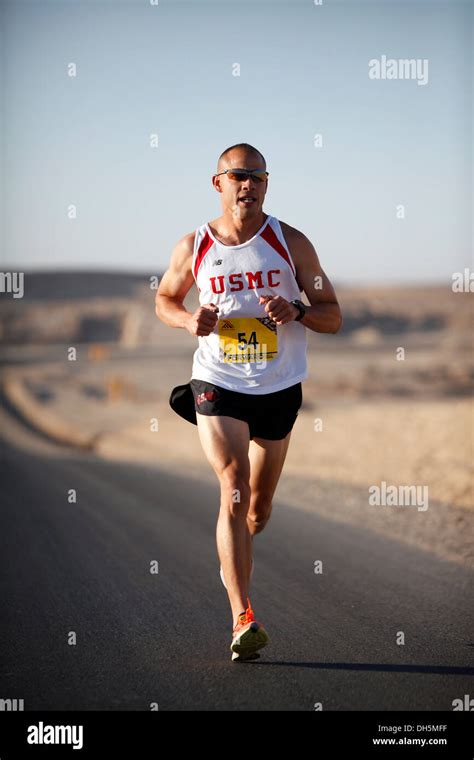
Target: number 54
(243, 340)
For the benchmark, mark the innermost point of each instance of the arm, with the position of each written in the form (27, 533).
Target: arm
(175, 284)
(323, 315)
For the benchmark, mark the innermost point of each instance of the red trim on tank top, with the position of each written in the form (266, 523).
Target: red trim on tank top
(205, 245)
(270, 237)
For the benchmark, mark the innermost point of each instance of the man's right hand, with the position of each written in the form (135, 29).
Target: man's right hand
(203, 321)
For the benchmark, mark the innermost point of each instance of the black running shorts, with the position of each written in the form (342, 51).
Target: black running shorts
(269, 415)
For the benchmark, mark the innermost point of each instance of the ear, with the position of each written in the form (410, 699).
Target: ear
(216, 182)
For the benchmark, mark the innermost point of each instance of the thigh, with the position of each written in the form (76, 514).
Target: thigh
(266, 463)
(225, 441)
(275, 416)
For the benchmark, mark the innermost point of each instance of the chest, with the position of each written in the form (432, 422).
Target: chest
(241, 271)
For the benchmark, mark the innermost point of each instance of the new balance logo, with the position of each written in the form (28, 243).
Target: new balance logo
(217, 262)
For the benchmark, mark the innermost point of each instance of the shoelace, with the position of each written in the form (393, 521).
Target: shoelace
(247, 616)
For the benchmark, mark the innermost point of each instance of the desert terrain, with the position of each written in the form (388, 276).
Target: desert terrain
(388, 399)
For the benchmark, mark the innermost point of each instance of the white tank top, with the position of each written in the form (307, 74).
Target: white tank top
(243, 353)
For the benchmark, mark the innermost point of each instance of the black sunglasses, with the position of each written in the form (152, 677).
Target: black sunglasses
(241, 175)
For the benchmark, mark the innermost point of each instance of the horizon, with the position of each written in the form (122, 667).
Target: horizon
(146, 274)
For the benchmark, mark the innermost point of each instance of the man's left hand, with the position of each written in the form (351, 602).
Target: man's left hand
(278, 309)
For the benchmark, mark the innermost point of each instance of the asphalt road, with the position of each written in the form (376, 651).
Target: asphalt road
(164, 638)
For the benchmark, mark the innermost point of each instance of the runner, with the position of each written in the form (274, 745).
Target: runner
(245, 389)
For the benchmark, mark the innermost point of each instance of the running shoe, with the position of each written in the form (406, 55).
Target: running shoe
(245, 658)
(248, 636)
(222, 574)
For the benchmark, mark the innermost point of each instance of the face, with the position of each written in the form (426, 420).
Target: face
(233, 192)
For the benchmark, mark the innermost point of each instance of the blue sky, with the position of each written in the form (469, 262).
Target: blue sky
(166, 69)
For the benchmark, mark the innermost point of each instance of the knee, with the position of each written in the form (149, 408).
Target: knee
(258, 515)
(235, 489)
(256, 525)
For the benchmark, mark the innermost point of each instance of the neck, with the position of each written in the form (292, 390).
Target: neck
(241, 229)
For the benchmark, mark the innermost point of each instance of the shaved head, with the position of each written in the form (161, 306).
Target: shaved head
(244, 149)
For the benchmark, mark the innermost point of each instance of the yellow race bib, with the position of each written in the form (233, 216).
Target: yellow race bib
(249, 339)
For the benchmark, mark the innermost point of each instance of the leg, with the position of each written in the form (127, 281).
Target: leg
(225, 441)
(266, 463)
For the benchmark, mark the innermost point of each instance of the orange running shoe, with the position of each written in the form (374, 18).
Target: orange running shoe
(248, 636)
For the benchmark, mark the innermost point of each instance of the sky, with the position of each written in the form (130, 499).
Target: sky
(384, 195)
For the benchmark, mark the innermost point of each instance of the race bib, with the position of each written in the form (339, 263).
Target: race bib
(250, 339)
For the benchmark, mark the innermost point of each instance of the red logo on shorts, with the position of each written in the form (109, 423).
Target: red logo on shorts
(206, 396)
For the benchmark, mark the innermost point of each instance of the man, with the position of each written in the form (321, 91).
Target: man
(247, 371)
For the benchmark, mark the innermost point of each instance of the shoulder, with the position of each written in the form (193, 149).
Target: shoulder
(185, 246)
(299, 245)
(291, 233)
(183, 251)
(187, 241)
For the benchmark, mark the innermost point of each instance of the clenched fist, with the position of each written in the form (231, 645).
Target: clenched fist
(203, 321)
(279, 309)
